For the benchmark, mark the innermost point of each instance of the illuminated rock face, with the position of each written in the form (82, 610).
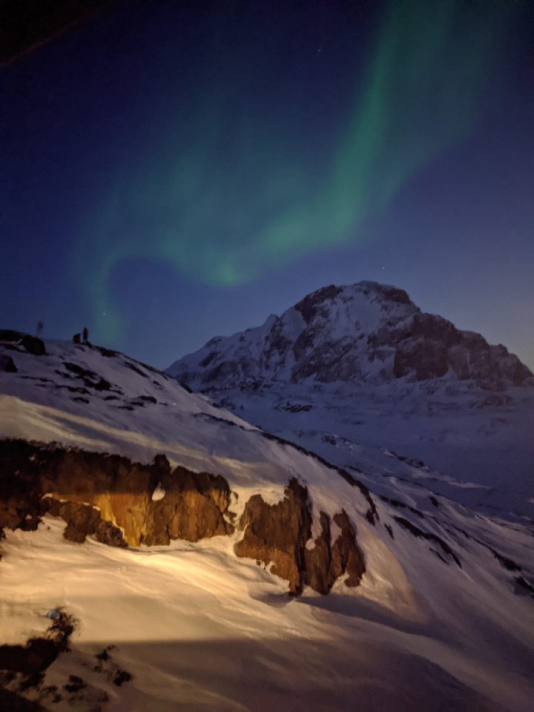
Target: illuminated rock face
(280, 535)
(366, 332)
(109, 496)
(125, 503)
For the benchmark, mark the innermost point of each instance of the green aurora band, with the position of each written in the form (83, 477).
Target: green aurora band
(223, 199)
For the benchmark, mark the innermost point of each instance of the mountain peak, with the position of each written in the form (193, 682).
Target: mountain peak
(369, 291)
(361, 333)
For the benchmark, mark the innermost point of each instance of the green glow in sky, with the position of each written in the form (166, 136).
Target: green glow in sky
(227, 194)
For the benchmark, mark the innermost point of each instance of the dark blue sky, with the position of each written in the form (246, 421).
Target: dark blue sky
(164, 170)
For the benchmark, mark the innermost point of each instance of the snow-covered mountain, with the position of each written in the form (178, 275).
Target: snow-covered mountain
(152, 539)
(364, 333)
(358, 373)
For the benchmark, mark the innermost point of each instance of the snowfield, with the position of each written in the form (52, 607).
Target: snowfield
(455, 441)
(443, 618)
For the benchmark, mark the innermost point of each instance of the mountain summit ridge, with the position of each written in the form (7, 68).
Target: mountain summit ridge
(366, 332)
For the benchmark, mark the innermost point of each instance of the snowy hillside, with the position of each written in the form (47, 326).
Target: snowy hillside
(152, 540)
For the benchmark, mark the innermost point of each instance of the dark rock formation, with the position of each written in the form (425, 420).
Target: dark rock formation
(315, 303)
(83, 520)
(277, 535)
(23, 342)
(194, 507)
(34, 657)
(89, 378)
(325, 563)
(7, 364)
(420, 533)
(39, 653)
(15, 703)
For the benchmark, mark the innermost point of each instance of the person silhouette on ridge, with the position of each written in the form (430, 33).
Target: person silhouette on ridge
(85, 335)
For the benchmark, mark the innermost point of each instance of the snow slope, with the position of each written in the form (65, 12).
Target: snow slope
(443, 618)
(460, 443)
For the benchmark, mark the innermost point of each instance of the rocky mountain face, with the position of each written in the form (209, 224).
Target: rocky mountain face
(363, 333)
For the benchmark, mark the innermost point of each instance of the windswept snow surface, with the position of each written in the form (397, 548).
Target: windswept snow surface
(200, 629)
(474, 447)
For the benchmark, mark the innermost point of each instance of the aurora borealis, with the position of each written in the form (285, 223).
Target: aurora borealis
(228, 144)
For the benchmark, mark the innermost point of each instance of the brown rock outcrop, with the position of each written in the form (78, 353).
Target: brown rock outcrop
(278, 534)
(326, 562)
(109, 496)
(84, 520)
(193, 508)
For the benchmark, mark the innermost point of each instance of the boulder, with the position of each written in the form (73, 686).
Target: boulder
(31, 344)
(7, 365)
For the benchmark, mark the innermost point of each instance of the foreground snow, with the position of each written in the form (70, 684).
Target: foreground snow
(438, 623)
(198, 629)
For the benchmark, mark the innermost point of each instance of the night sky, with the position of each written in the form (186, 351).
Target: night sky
(171, 171)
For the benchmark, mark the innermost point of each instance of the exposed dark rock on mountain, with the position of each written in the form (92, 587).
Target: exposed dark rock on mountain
(278, 534)
(19, 341)
(326, 562)
(7, 364)
(366, 332)
(15, 703)
(417, 532)
(39, 653)
(194, 507)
